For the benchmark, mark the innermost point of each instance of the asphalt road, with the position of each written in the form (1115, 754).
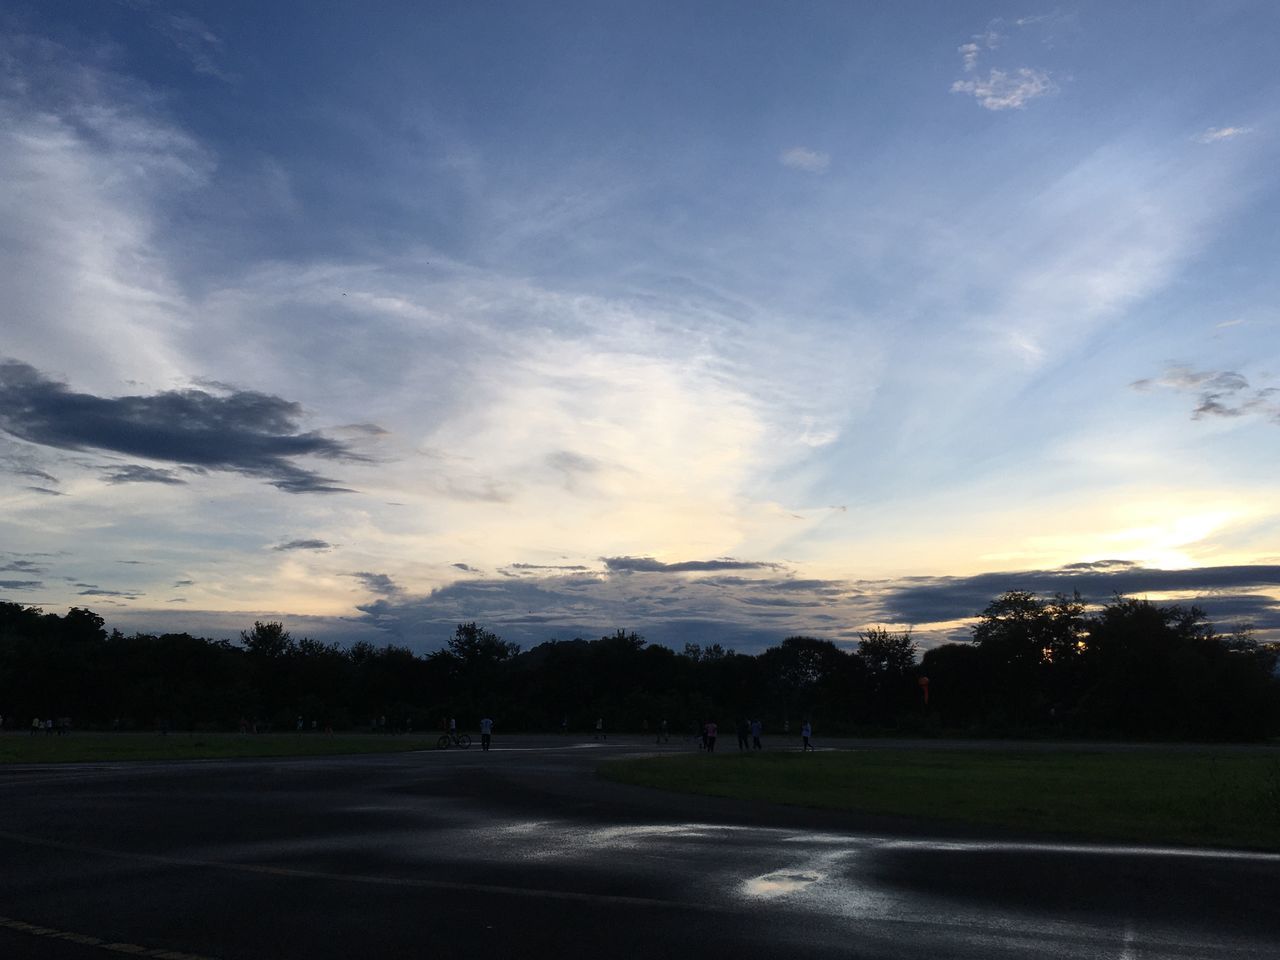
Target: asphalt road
(521, 852)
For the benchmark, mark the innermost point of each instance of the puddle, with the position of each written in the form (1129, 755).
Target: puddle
(781, 883)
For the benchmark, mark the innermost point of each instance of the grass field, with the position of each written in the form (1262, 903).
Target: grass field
(1199, 799)
(23, 748)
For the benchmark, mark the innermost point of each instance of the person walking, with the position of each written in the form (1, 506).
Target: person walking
(712, 732)
(600, 734)
(744, 730)
(806, 731)
(486, 729)
(663, 735)
(756, 728)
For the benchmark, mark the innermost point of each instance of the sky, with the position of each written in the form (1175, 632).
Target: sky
(719, 322)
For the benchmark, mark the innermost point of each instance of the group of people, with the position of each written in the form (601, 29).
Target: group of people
(49, 726)
(748, 735)
(486, 730)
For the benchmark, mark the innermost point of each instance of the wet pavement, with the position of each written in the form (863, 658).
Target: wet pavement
(522, 852)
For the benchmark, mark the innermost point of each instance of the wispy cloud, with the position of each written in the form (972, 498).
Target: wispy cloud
(1004, 91)
(1217, 134)
(1001, 89)
(311, 544)
(802, 158)
(1219, 393)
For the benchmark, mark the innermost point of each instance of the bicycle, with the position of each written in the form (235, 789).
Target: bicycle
(453, 739)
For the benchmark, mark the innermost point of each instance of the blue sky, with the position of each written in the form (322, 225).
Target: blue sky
(715, 321)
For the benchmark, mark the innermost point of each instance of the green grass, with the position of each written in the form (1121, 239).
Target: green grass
(23, 748)
(1198, 799)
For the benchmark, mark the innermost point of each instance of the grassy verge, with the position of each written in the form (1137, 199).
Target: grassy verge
(23, 748)
(1201, 799)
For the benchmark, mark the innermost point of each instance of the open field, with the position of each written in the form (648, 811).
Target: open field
(80, 747)
(1230, 799)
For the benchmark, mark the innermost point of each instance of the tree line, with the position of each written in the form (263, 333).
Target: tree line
(1032, 666)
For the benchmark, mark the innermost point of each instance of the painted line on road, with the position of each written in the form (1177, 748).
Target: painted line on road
(115, 946)
(573, 896)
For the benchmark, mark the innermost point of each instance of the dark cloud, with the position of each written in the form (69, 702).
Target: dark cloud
(46, 491)
(530, 609)
(378, 583)
(21, 584)
(465, 567)
(245, 432)
(99, 592)
(931, 600)
(304, 545)
(183, 583)
(22, 566)
(1230, 610)
(650, 565)
(136, 473)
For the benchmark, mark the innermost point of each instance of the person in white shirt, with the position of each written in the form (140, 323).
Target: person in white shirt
(486, 729)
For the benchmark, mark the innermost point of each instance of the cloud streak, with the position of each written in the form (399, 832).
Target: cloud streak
(1218, 134)
(304, 545)
(136, 473)
(650, 565)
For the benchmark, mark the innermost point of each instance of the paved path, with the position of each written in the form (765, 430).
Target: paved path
(521, 852)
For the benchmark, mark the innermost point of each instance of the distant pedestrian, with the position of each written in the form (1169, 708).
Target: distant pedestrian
(806, 731)
(600, 734)
(744, 731)
(298, 724)
(756, 728)
(36, 726)
(564, 725)
(712, 732)
(486, 729)
(663, 735)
